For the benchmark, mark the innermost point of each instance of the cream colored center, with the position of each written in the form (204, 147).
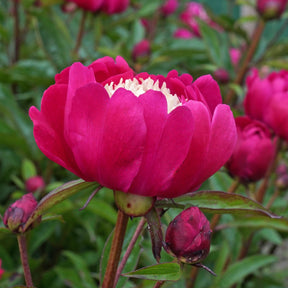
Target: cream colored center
(138, 87)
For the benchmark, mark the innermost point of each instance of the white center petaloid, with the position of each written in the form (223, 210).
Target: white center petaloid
(140, 86)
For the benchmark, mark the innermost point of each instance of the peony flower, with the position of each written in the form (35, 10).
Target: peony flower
(193, 12)
(188, 236)
(18, 213)
(141, 50)
(235, 56)
(143, 134)
(169, 7)
(1, 269)
(266, 100)
(35, 183)
(254, 152)
(271, 9)
(90, 5)
(183, 33)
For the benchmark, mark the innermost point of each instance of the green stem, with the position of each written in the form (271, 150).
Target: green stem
(80, 33)
(24, 259)
(129, 249)
(116, 248)
(245, 64)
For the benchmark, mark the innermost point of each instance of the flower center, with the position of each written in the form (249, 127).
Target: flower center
(140, 86)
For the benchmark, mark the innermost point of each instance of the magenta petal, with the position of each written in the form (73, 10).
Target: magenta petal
(123, 141)
(223, 139)
(188, 173)
(210, 91)
(84, 128)
(172, 151)
(155, 114)
(48, 128)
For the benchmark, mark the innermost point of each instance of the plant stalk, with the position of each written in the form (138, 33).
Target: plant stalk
(80, 33)
(24, 259)
(116, 248)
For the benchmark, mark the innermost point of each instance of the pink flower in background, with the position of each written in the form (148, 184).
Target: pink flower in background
(1, 269)
(271, 9)
(144, 134)
(183, 33)
(141, 50)
(107, 6)
(254, 152)
(266, 100)
(35, 183)
(18, 213)
(169, 7)
(192, 13)
(188, 236)
(235, 56)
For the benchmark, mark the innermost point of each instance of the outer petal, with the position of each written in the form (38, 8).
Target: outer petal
(155, 115)
(172, 151)
(123, 141)
(49, 127)
(84, 129)
(188, 172)
(210, 91)
(222, 141)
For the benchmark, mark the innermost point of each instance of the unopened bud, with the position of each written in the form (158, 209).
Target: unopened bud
(188, 236)
(18, 213)
(221, 75)
(132, 204)
(271, 9)
(1, 270)
(34, 184)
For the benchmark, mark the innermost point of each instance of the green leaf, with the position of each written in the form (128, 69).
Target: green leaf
(159, 272)
(239, 270)
(219, 202)
(28, 169)
(59, 194)
(280, 224)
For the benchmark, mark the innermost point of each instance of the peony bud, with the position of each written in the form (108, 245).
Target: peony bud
(34, 184)
(188, 236)
(18, 213)
(169, 7)
(271, 9)
(1, 270)
(221, 75)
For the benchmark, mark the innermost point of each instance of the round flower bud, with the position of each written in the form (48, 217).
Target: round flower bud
(132, 204)
(1, 270)
(188, 236)
(221, 75)
(34, 184)
(18, 213)
(271, 9)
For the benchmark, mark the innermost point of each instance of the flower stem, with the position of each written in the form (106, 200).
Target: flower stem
(159, 284)
(24, 259)
(129, 249)
(245, 64)
(116, 248)
(80, 33)
(16, 31)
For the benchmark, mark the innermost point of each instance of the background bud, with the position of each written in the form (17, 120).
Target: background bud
(271, 9)
(34, 184)
(18, 213)
(1, 270)
(188, 236)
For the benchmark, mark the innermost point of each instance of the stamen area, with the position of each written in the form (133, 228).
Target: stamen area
(140, 86)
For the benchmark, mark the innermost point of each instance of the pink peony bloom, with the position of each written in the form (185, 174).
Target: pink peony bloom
(266, 100)
(1, 269)
(254, 152)
(169, 7)
(90, 5)
(18, 213)
(34, 184)
(141, 49)
(193, 12)
(144, 134)
(271, 9)
(188, 236)
(183, 33)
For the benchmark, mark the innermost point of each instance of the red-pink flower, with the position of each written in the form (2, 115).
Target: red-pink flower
(18, 213)
(266, 100)
(193, 12)
(254, 152)
(271, 9)
(188, 236)
(183, 33)
(169, 7)
(90, 5)
(235, 56)
(1, 269)
(144, 134)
